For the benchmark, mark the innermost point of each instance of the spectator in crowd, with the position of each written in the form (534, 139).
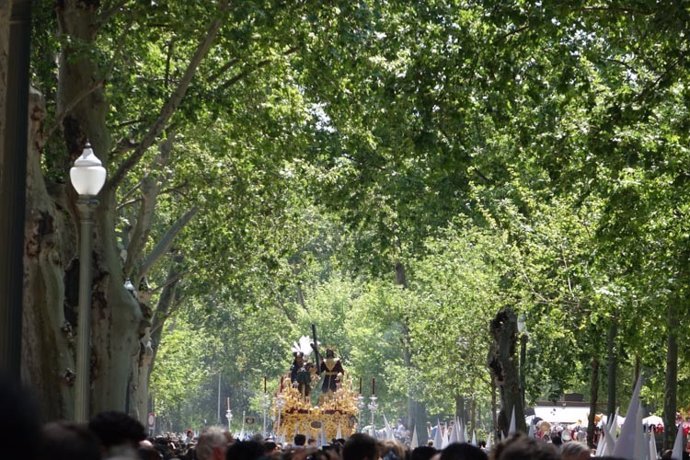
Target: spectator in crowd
(300, 440)
(422, 453)
(119, 434)
(19, 423)
(360, 446)
(463, 451)
(68, 441)
(393, 450)
(575, 451)
(212, 444)
(521, 447)
(245, 450)
(147, 451)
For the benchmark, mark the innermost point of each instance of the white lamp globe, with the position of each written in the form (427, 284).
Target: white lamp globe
(87, 174)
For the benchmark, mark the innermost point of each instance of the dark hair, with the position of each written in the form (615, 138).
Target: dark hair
(521, 447)
(67, 440)
(422, 453)
(115, 428)
(300, 439)
(360, 446)
(20, 421)
(463, 451)
(245, 450)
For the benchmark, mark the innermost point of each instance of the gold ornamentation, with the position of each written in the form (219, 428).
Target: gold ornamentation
(337, 409)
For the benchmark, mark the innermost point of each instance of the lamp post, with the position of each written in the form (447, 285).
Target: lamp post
(280, 403)
(87, 176)
(522, 330)
(228, 415)
(373, 406)
(265, 403)
(360, 408)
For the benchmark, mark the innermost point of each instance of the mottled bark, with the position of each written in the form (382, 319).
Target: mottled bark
(149, 343)
(49, 323)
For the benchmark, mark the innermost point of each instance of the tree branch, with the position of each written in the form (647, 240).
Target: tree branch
(150, 186)
(73, 105)
(248, 71)
(110, 12)
(166, 241)
(173, 102)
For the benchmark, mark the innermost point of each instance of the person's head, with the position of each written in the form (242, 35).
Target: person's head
(360, 446)
(245, 450)
(117, 430)
(67, 441)
(575, 451)
(393, 450)
(299, 357)
(330, 353)
(212, 444)
(20, 419)
(147, 451)
(463, 451)
(521, 447)
(422, 453)
(300, 439)
(270, 447)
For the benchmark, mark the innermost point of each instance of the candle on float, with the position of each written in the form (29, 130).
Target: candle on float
(373, 386)
(264, 384)
(360, 385)
(228, 402)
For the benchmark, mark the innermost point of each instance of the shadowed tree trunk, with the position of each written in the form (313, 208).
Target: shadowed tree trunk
(671, 380)
(414, 418)
(593, 399)
(504, 370)
(612, 368)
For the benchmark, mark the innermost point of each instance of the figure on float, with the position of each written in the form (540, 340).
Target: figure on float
(302, 370)
(332, 370)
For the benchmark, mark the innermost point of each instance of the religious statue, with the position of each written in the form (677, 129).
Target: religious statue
(332, 370)
(301, 370)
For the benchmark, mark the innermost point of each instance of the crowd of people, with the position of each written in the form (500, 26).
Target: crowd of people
(115, 435)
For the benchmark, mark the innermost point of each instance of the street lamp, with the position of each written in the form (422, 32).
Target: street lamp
(373, 406)
(87, 177)
(360, 408)
(228, 415)
(266, 404)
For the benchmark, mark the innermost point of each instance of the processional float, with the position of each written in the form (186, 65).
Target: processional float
(335, 414)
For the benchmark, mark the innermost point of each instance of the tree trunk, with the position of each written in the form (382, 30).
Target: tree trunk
(612, 368)
(150, 342)
(593, 399)
(494, 408)
(49, 324)
(671, 381)
(504, 370)
(473, 417)
(460, 407)
(51, 256)
(420, 422)
(414, 417)
(5, 8)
